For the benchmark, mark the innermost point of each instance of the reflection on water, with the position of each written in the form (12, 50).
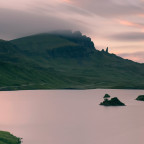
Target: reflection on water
(72, 117)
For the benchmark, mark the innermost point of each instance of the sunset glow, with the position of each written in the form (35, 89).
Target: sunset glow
(67, 1)
(127, 23)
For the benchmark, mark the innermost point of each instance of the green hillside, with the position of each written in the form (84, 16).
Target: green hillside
(7, 138)
(64, 61)
(41, 43)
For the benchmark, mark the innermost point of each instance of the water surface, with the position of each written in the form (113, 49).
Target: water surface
(72, 117)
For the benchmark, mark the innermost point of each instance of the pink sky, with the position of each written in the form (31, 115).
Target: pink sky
(118, 24)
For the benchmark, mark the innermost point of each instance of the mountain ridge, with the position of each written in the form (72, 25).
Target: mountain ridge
(64, 61)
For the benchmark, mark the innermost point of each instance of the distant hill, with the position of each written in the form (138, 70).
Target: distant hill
(64, 60)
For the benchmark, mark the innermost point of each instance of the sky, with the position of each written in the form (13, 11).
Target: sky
(117, 24)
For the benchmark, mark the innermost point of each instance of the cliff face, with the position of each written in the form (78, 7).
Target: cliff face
(84, 46)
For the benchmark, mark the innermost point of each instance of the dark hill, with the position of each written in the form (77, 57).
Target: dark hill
(64, 60)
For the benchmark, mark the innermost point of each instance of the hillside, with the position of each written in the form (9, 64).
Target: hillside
(64, 60)
(7, 138)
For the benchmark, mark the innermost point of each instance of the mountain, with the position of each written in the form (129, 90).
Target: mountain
(64, 60)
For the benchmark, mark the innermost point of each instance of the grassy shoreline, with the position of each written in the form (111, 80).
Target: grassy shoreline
(39, 87)
(8, 138)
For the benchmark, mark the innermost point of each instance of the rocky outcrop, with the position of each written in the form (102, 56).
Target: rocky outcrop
(112, 102)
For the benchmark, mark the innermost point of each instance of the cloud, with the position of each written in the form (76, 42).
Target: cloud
(132, 24)
(15, 23)
(73, 9)
(63, 6)
(128, 23)
(67, 1)
(128, 36)
(112, 8)
(41, 16)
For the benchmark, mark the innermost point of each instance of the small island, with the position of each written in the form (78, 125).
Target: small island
(140, 98)
(7, 138)
(112, 102)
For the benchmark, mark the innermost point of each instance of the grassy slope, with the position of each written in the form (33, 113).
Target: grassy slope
(7, 138)
(107, 72)
(21, 70)
(31, 66)
(41, 42)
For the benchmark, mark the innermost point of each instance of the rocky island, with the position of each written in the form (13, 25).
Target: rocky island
(112, 102)
(140, 98)
(7, 138)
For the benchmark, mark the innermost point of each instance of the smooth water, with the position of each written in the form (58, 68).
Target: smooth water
(72, 117)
